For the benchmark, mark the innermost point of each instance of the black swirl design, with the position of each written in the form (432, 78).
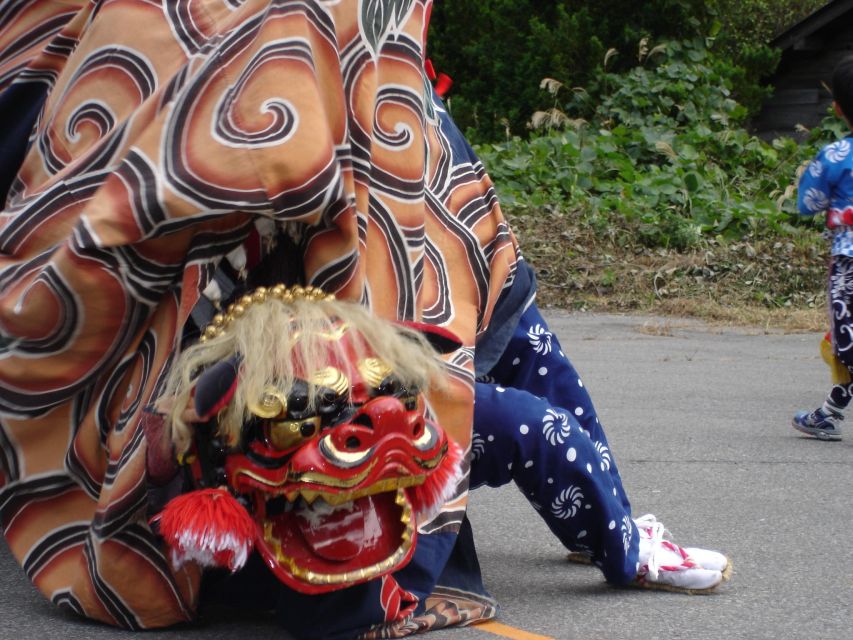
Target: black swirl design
(283, 117)
(95, 112)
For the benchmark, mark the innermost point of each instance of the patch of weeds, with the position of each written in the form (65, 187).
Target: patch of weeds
(749, 282)
(650, 191)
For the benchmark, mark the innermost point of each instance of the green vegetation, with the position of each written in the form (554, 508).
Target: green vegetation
(496, 50)
(658, 149)
(653, 164)
(628, 172)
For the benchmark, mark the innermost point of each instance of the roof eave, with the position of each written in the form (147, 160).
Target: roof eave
(812, 23)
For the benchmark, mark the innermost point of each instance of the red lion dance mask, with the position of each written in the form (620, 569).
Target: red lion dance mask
(302, 422)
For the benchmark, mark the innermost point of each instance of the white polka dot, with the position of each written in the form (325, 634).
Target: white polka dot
(524, 429)
(589, 468)
(580, 382)
(612, 525)
(589, 506)
(579, 411)
(602, 466)
(571, 454)
(543, 371)
(500, 389)
(509, 466)
(582, 534)
(528, 464)
(562, 354)
(550, 480)
(491, 438)
(516, 362)
(614, 491)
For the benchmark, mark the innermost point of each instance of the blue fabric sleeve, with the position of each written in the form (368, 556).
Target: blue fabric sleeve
(825, 182)
(814, 188)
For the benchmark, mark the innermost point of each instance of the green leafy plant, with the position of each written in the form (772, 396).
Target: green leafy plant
(493, 48)
(658, 152)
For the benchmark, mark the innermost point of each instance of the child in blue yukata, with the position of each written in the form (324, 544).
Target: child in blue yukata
(827, 185)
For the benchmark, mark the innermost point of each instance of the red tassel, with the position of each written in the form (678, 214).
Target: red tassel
(429, 497)
(442, 81)
(443, 84)
(210, 527)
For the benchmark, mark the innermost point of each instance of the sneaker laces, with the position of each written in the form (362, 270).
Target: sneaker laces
(655, 534)
(828, 414)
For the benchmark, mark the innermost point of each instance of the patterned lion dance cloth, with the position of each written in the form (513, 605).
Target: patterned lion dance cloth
(147, 172)
(209, 135)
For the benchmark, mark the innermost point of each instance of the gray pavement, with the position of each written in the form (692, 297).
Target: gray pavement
(699, 423)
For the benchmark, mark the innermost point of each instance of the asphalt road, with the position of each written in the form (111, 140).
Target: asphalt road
(699, 423)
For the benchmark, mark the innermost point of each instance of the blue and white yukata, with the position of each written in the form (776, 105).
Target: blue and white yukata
(535, 424)
(827, 185)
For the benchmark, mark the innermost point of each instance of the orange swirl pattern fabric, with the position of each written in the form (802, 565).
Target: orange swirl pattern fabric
(172, 132)
(27, 27)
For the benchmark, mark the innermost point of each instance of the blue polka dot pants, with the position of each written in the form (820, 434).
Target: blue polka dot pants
(534, 424)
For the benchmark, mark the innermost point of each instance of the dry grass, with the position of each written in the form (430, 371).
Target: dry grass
(770, 285)
(787, 320)
(763, 319)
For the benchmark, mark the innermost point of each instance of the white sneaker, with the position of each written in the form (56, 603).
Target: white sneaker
(665, 565)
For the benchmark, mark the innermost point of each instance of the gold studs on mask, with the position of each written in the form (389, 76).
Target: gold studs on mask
(221, 321)
(332, 378)
(374, 371)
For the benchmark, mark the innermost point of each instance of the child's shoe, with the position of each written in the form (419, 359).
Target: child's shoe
(820, 423)
(665, 565)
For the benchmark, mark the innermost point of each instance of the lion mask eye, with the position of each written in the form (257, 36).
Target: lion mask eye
(286, 434)
(272, 404)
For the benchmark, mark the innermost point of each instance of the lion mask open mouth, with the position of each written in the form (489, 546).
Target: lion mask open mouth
(328, 448)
